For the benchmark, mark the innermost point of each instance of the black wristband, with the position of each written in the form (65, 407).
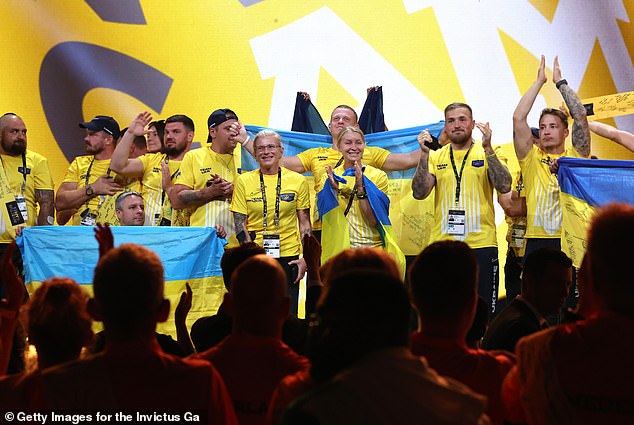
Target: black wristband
(560, 83)
(362, 195)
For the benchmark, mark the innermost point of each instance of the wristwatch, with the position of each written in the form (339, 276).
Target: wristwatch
(89, 191)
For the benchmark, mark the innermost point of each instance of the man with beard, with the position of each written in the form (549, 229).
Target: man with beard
(205, 180)
(88, 186)
(465, 173)
(178, 136)
(25, 181)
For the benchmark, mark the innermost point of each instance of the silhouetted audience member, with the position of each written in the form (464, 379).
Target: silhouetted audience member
(546, 281)
(208, 331)
(133, 372)
(479, 326)
(373, 376)
(584, 305)
(9, 307)
(59, 326)
(253, 359)
(301, 383)
(443, 284)
(581, 373)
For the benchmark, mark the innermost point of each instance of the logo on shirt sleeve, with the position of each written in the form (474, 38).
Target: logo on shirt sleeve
(477, 163)
(287, 197)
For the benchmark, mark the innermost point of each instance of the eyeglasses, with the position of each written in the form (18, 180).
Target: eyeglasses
(266, 148)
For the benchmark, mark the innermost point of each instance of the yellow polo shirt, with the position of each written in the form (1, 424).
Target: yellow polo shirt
(294, 196)
(38, 177)
(476, 195)
(197, 167)
(157, 203)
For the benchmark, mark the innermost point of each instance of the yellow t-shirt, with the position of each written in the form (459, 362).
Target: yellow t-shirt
(247, 199)
(476, 196)
(361, 234)
(197, 167)
(157, 203)
(80, 171)
(38, 176)
(542, 193)
(315, 160)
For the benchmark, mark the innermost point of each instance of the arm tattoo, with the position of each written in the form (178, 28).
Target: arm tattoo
(240, 221)
(499, 175)
(46, 201)
(422, 182)
(192, 198)
(305, 227)
(580, 129)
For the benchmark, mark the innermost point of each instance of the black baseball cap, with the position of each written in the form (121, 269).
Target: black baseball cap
(535, 132)
(219, 116)
(102, 123)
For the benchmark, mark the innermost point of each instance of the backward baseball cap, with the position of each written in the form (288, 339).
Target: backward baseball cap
(219, 116)
(102, 123)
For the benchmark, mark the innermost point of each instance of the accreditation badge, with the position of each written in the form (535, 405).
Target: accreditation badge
(88, 218)
(271, 244)
(14, 213)
(21, 201)
(456, 222)
(517, 235)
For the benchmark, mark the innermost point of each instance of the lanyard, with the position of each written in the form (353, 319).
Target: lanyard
(167, 160)
(278, 189)
(455, 171)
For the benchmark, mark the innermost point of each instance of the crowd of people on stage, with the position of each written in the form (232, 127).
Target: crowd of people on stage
(377, 346)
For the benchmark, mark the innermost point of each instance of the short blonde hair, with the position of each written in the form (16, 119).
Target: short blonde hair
(268, 133)
(350, 129)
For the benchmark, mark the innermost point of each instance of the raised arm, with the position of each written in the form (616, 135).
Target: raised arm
(621, 137)
(522, 138)
(498, 173)
(120, 161)
(580, 129)
(293, 163)
(423, 181)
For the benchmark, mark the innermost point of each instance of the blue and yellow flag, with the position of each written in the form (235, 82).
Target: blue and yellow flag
(587, 184)
(412, 219)
(335, 234)
(189, 254)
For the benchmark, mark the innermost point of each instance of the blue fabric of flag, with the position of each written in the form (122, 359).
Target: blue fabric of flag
(72, 251)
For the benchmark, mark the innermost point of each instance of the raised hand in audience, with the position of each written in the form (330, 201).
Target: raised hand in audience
(104, 237)
(180, 319)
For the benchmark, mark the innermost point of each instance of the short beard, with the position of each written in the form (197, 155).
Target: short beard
(173, 151)
(460, 140)
(16, 148)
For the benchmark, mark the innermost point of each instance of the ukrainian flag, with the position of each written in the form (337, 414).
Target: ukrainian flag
(335, 234)
(587, 184)
(189, 254)
(412, 219)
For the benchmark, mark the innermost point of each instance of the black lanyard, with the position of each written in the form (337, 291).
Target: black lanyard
(278, 190)
(167, 160)
(455, 171)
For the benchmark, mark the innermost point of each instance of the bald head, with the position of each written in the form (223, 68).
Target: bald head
(12, 135)
(259, 302)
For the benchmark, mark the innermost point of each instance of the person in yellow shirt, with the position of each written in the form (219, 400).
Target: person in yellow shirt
(543, 225)
(179, 134)
(352, 196)
(464, 173)
(26, 185)
(205, 180)
(271, 206)
(315, 160)
(86, 193)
